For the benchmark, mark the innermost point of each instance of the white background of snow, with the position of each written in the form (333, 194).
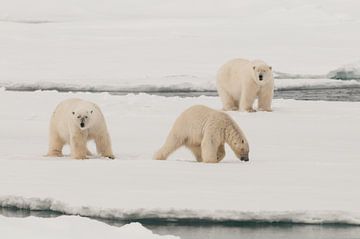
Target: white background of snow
(304, 160)
(160, 42)
(303, 167)
(70, 227)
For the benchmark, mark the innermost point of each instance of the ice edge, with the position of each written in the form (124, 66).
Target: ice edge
(183, 215)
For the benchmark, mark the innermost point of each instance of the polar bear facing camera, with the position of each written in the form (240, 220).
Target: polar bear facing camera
(75, 122)
(205, 131)
(240, 82)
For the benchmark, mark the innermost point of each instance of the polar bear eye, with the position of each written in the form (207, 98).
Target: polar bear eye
(242, 141)
(86, 117)
(73, 112)
(78, 117)
(91, 112)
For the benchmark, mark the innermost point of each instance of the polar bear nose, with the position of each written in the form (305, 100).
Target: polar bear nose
(244, 158)
(261, 77)
(82, 124)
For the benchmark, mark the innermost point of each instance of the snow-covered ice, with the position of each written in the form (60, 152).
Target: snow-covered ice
(304, 159)
(349, 71)
(160, 43)
(303, 167)
(71, 227)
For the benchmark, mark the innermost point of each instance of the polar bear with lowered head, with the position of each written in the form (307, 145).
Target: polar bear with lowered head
(205, 131)
(75, 122)
(240, 82)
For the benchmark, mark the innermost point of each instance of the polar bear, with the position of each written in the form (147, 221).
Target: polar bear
(75, 122)
(240, 82)
(205, 131)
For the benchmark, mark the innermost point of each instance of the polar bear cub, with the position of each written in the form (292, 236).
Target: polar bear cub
(240, 82)
(205, 131)
(75, 122)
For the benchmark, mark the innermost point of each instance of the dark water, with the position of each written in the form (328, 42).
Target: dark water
(327, 94)
(338, 94)
(199, 230)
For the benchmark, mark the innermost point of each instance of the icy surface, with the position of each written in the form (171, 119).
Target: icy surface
(179, 84)
(163, 43)
(71, 227)
(346, 72)
(303, 167)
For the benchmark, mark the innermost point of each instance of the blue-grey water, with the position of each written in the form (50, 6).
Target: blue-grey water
(349, 93)
(216, 230)
(331, 94)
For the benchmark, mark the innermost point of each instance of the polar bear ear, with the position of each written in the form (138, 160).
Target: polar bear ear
(254, 67)
(270, 67)
(73, 112)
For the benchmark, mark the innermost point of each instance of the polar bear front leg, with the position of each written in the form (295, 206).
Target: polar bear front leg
(265, 99)
(78, 146)
(196, 150)
(209, 149)
(220, 153)
(247, 101)
(103, 146)
(56, 144)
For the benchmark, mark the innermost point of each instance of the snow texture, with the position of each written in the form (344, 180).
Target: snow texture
(71, 227)
(181, 44)
(303, 163)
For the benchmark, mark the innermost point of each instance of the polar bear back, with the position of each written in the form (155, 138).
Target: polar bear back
(193, 122)
(235, 75)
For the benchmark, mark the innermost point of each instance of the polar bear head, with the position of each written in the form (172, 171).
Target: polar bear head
(83, 117)
(240, 147)
(262, 72)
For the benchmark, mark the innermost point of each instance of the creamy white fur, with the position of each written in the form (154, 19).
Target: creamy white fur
(205, 131)
(238, 85)
(65, 128)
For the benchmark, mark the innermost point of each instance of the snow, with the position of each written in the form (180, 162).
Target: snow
(71, 227)
(303, 167)
(164, 43)
(304, 156)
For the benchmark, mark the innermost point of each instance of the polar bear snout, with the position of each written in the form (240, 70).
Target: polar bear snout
(244, 157)
(261, 77)
(83, 121)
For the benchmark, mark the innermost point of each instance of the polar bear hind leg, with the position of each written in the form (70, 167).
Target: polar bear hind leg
(172, 143)
(229, 103)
